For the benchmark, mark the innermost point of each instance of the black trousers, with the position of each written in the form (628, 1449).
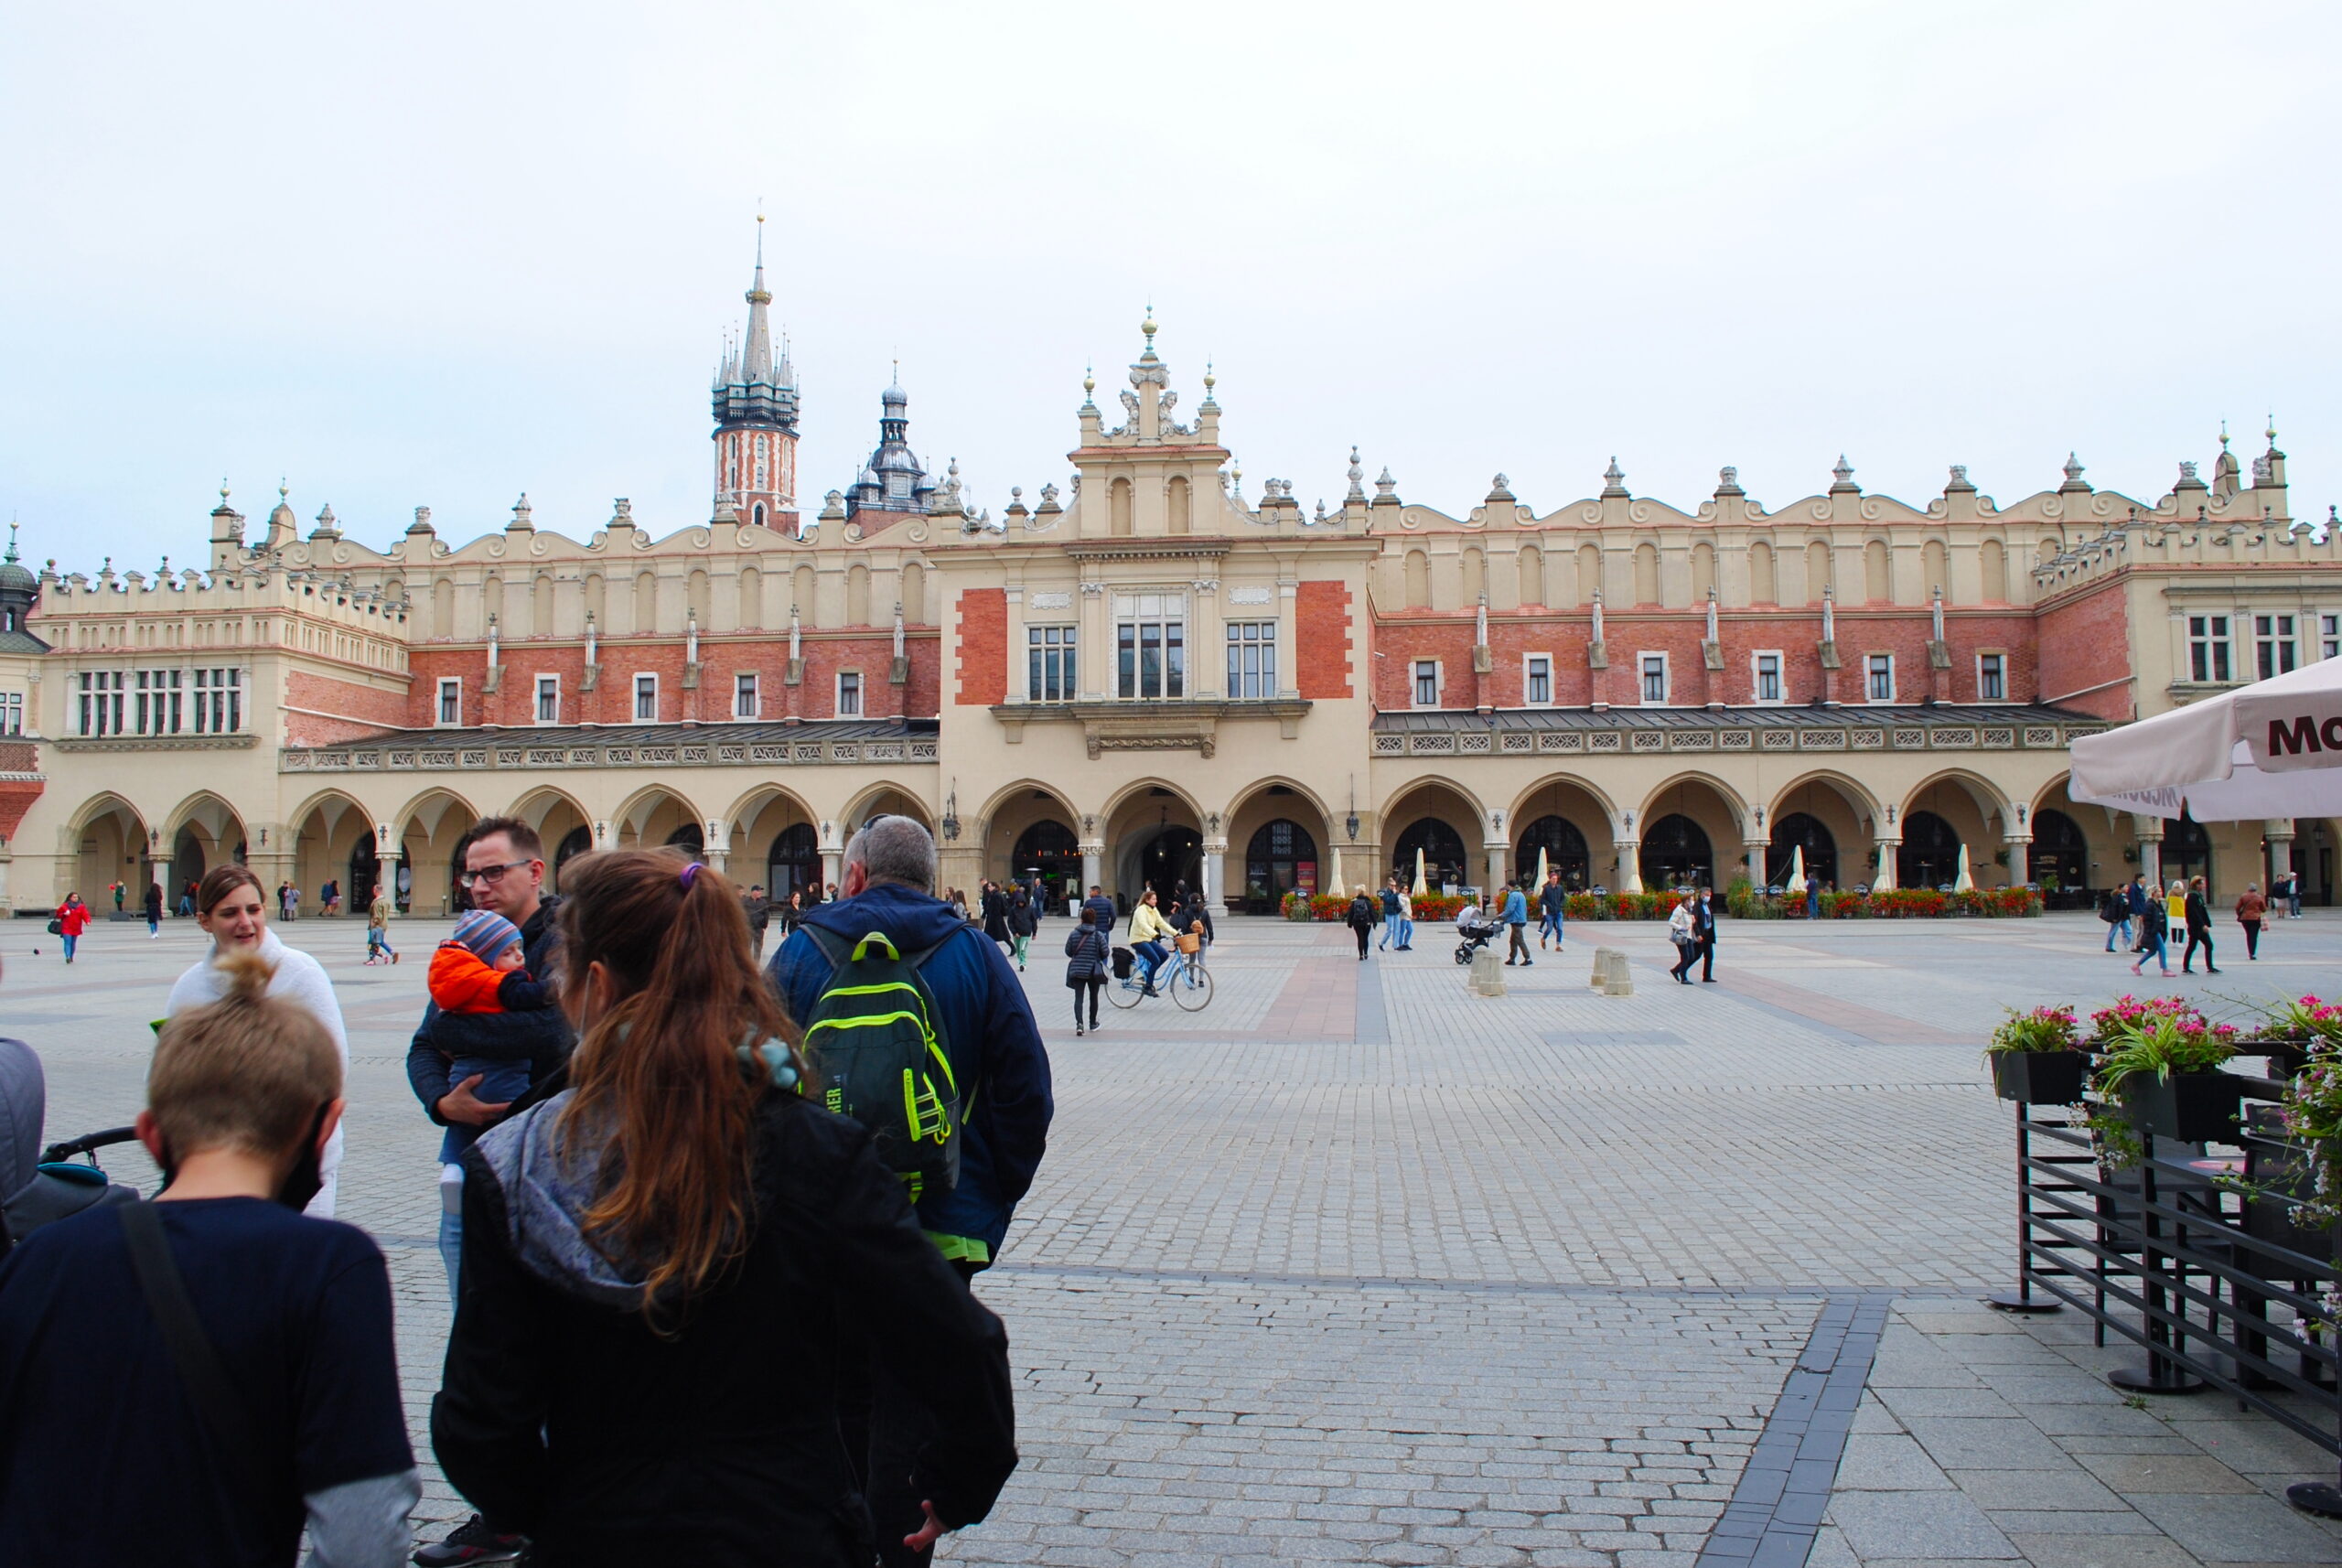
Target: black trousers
(1707, 959)
(2198, 937)
(2251, 938)
(883, 1429)
(1363, 932)
(1090, 988)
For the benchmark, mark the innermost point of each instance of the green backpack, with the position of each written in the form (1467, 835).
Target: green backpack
(883, 1060)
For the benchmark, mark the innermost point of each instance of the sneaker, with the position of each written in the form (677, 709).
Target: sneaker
(472, 1542)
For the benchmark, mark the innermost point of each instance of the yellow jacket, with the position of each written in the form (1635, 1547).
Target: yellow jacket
(1148, 924)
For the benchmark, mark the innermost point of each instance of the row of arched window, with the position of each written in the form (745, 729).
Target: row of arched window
(1551, 577)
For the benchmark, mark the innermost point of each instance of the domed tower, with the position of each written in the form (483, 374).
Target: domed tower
(754, 400)
(893, 480)
(18, 589)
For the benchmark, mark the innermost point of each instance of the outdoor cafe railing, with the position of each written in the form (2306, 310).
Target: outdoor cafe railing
(2190, 1251)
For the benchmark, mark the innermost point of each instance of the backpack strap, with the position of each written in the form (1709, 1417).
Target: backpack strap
(223, 1410)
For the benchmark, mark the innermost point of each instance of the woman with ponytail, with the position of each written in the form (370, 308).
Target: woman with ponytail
(659, 1262)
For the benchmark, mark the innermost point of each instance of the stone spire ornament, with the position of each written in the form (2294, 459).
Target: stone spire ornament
(1841, 476)
(1358, 478)
(1597, 615)
(1614, 479)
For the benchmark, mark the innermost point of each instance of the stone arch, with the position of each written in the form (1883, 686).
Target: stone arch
(2103, 837)
(1275, 799)
(108, 840)
(1435, 800)
(427, 831)
(651, 816)
(1976, 812)
(326, 833)
(883, 799)
(203, 830)
(1029, 806)
(1152, 833)
(1582, 807)
(755, 825)
(1710, 804)
(1418, 580)
(1764, 581)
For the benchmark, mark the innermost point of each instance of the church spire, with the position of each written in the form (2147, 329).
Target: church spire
(754, 404)
(756, 358)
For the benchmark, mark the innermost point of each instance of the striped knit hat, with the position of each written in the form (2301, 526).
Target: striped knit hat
(486, 933)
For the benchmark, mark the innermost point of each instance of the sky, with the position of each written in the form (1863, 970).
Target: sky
(440, 253)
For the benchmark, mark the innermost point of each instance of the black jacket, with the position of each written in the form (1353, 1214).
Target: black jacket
(1024, 915)
(543, 1036)
(2199, 915)
(1086, 955)
(570, 1420)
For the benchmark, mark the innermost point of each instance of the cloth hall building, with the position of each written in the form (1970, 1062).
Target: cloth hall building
(1153, 675)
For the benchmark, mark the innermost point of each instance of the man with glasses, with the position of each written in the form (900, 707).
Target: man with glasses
(504, 871)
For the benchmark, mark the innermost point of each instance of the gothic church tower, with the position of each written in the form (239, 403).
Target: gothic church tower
(754, 400)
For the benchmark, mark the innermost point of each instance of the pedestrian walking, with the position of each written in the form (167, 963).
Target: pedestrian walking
(1552, 905)
(2154, 923)
(2196, 910)
(792, 914)
(330, 898)
(1406, 920)
(1103, 906)
(2251, 910)
(72, 919)
(2293, 895)
(1514, 917)
(154, 911)
(1678, 931)
(758, 907)
(232, 1359)
(504, 872)
(1360, 919)
(1087, 956)
(985, 1026)
(994, 905)
(378, 928)
(2115, 909)
(661, 1216)
(187, 899)
(2140, 901)
(1023, 920)
(1389, 899)
(1704, 934)
(230, 909)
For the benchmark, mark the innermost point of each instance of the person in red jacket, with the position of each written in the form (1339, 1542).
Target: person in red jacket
(72, 919)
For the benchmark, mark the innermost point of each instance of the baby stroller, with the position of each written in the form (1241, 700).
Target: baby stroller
(1476, 928)
(37, 1185)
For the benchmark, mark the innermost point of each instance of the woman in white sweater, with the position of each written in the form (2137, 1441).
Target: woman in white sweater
(230, 906)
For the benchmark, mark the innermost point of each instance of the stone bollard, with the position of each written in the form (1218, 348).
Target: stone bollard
(1487, 973)
(1611, 976)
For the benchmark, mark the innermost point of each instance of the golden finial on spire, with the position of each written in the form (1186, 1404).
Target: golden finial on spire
(1147, 325)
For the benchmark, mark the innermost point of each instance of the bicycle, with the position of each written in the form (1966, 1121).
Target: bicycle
(1182, 977)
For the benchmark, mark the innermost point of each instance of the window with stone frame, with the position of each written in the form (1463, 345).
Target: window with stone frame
(1151, 646)
(1654, 678)
(745, 703)
(849, 694)
(548, 699)
(1251, 658)
(2207, 650)
(1991, 678)
(451, 712)
(2273, 644)
(1051, 665)
(1537, 680)
(1765, 677)
(1426, 682)
(1880, 687)
(646, 699)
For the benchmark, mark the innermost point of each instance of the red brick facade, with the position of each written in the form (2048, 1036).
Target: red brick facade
(983, 646)
(1322, 642)
(2085, 653)
(320, 710)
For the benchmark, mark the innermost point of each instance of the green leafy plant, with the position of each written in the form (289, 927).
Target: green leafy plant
(2163, 1044)
(2042, 1029)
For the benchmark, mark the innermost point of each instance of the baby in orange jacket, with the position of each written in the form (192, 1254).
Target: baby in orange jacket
(479, 970)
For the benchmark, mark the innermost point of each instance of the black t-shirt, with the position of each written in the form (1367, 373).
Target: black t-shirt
(104, 1459)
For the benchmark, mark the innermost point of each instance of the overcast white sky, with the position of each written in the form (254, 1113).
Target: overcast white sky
(444, 251)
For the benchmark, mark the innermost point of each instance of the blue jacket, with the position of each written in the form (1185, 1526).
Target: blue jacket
(1516, 907)
(2135, 897)
(996, 1053)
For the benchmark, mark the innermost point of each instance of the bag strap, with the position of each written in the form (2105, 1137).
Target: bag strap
(216, 1400)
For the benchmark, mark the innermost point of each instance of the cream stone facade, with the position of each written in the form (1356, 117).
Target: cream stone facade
(1150, 677)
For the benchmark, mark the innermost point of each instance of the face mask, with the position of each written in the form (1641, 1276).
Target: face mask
(302, 1182)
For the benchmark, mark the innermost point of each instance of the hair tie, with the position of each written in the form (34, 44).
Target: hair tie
(689, 872)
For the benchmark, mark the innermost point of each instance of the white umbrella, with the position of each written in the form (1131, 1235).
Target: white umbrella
(1885, 881)
(1796, 884)
(2270, 749)
(1337, 879)
(1540, 865)
(1421, 886)
(1961, 882)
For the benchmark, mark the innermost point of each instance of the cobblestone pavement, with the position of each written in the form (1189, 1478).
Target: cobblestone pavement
(1351, 1266)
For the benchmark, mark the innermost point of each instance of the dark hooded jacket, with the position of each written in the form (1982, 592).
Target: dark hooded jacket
(562, 1413)
(996, 1053)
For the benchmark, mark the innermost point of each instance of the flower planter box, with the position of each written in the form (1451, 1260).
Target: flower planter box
(2040, 1077)
(2191, 1107)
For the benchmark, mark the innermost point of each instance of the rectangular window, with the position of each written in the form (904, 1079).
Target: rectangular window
(1768, 684)
(12, 713)
(849, 694)
(646, 699)
(1151, 645)
(102, 701)
(1882, 678)
(2207, 648)
(219, 700)
(548, 699)
(156, 699)
(451, 700)
(2330, 635)
(1991, 678)
(1050, 663)
(1251, 658)
(744, 695)
(1537, 683)
(1654, 676)
(1426, 682)
(2273, 643)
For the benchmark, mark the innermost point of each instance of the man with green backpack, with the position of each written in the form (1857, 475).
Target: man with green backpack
(918, 1029)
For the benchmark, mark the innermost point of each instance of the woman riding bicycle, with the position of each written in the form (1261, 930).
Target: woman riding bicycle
(1148, 933)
